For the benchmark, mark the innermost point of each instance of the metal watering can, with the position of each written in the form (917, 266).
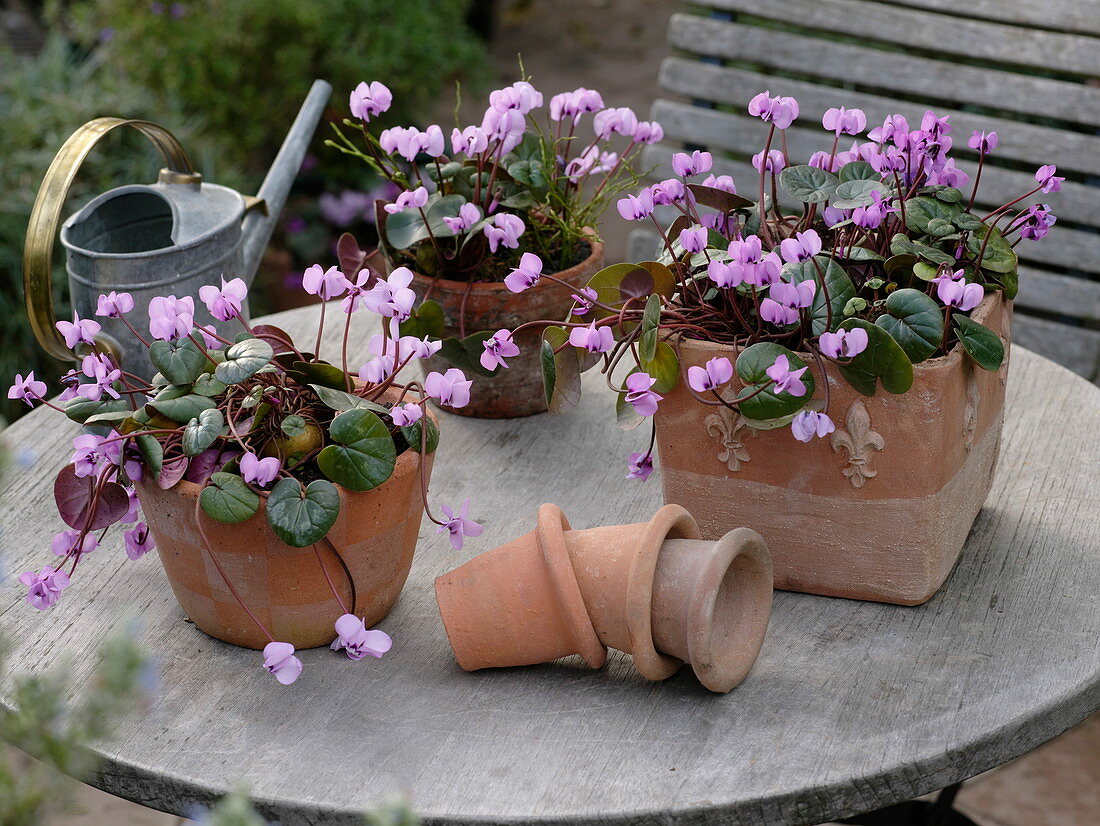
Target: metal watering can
(167, 238)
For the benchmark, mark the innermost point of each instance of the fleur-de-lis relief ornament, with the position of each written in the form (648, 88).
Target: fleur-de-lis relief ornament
(729, 428)
(857, 438)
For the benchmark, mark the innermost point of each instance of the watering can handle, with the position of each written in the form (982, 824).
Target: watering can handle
(46, 217)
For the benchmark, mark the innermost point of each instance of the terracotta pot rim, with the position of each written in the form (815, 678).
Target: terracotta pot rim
(670, 521)
(981, 312)
(446, 284)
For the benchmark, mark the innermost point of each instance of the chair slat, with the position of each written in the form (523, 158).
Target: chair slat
(1061, 15)
(1074, 151)
(873, 68)
(930, 31)
(1062, 294)
(745, 135)
(1075, 347)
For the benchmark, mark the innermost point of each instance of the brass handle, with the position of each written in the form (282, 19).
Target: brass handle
(46, 217)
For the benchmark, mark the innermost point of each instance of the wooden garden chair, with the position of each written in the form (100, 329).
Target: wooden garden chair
(1027, 70)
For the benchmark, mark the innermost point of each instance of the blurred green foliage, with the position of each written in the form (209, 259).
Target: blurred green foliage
(44, 99)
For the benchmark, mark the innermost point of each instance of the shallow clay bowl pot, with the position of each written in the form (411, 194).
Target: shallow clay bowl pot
(517, 390)
(286, 588)
(880, 509)
(653, 589)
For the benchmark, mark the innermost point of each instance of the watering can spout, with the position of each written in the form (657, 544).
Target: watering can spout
(260, 221)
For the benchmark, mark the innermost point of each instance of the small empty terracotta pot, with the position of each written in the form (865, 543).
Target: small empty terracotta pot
(654, 589)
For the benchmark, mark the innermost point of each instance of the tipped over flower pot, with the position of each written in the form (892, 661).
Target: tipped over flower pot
(654, 589)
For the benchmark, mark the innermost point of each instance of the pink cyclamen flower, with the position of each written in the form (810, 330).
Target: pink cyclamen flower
(640, 466)
(392, 297)
(585, 299)
(103, 373)
(504, 230)
(86, 454)
(844, 121)
(469, 141)
(722, 182)
(468, 215)
(459, 525)
(1035, 222)
(843, 343)
(934, 125)
(79, 331)
(648, 132)
(114, 305)
(521, 96)
(808, 424)
(717, 372)
(452, 388)
(574, 104)
(591, 161)
(138, 541)
(498, 347)
(693, 239)
(325, 284)
(798, 295)
(279, 660)
(872, 215)
(726, 273)
(825, 160)
(782, 111)
(45, 587)
(171, 318)
(786, 380)
(526, 275)
(224, 303)
(27, 389)
(356, 641)
(636, 207)
(640, 393)
(369, 99)
(620, 121)
(696, 163)
(412, 199)
(666, 192)
(954, 291)
(776, 312)
(776, 162)
(757, 267)
(505, 127)
(209, 337)
(592, 338)
(893, 125)
(257, 471)
(66, 544)
(1048, 181)
(802, 247)
(984, 142)
(406, 414)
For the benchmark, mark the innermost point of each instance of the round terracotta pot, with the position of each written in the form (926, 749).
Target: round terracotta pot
(654, 590)
(517, 390)
(878, 510)
(285, 587)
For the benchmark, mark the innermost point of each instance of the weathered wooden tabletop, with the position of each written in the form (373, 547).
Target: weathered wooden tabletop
(851, 706)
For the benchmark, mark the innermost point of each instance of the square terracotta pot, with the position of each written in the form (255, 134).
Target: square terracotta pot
(880, 509)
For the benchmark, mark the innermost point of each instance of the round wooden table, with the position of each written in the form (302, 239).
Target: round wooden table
(852, 705)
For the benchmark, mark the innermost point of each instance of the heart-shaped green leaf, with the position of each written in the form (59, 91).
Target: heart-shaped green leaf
(664, 367)
(465, 353)
(207, 385)
(80, 409)
(108, 417)
(407, 228)
(152, 452)
(752, 366)
(561, 372)
(900, 245)
(431, 438)
(619, 283)
(301, 517)
(856, 193)
(914, 321)
(244, 360)
(201, 431)
(838, 285)
(340, 400)
(182, 409)
(980, 343)
(318, 372)
(651, 319)
(920, 211)
(862, 254)
(808, 183)
(882, 360)
(228, 499)
(363, 455)
(947, 194)
(998, 255)
(293, 426)
(181, 362)
(426, 320)
(858, 171)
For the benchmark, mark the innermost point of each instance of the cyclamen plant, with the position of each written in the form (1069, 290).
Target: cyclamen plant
(516, 189)
(879, 270)
(250, 417)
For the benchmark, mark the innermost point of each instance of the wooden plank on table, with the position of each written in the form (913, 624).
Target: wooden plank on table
(951, 36)
(894, 71)
(1076, 151)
